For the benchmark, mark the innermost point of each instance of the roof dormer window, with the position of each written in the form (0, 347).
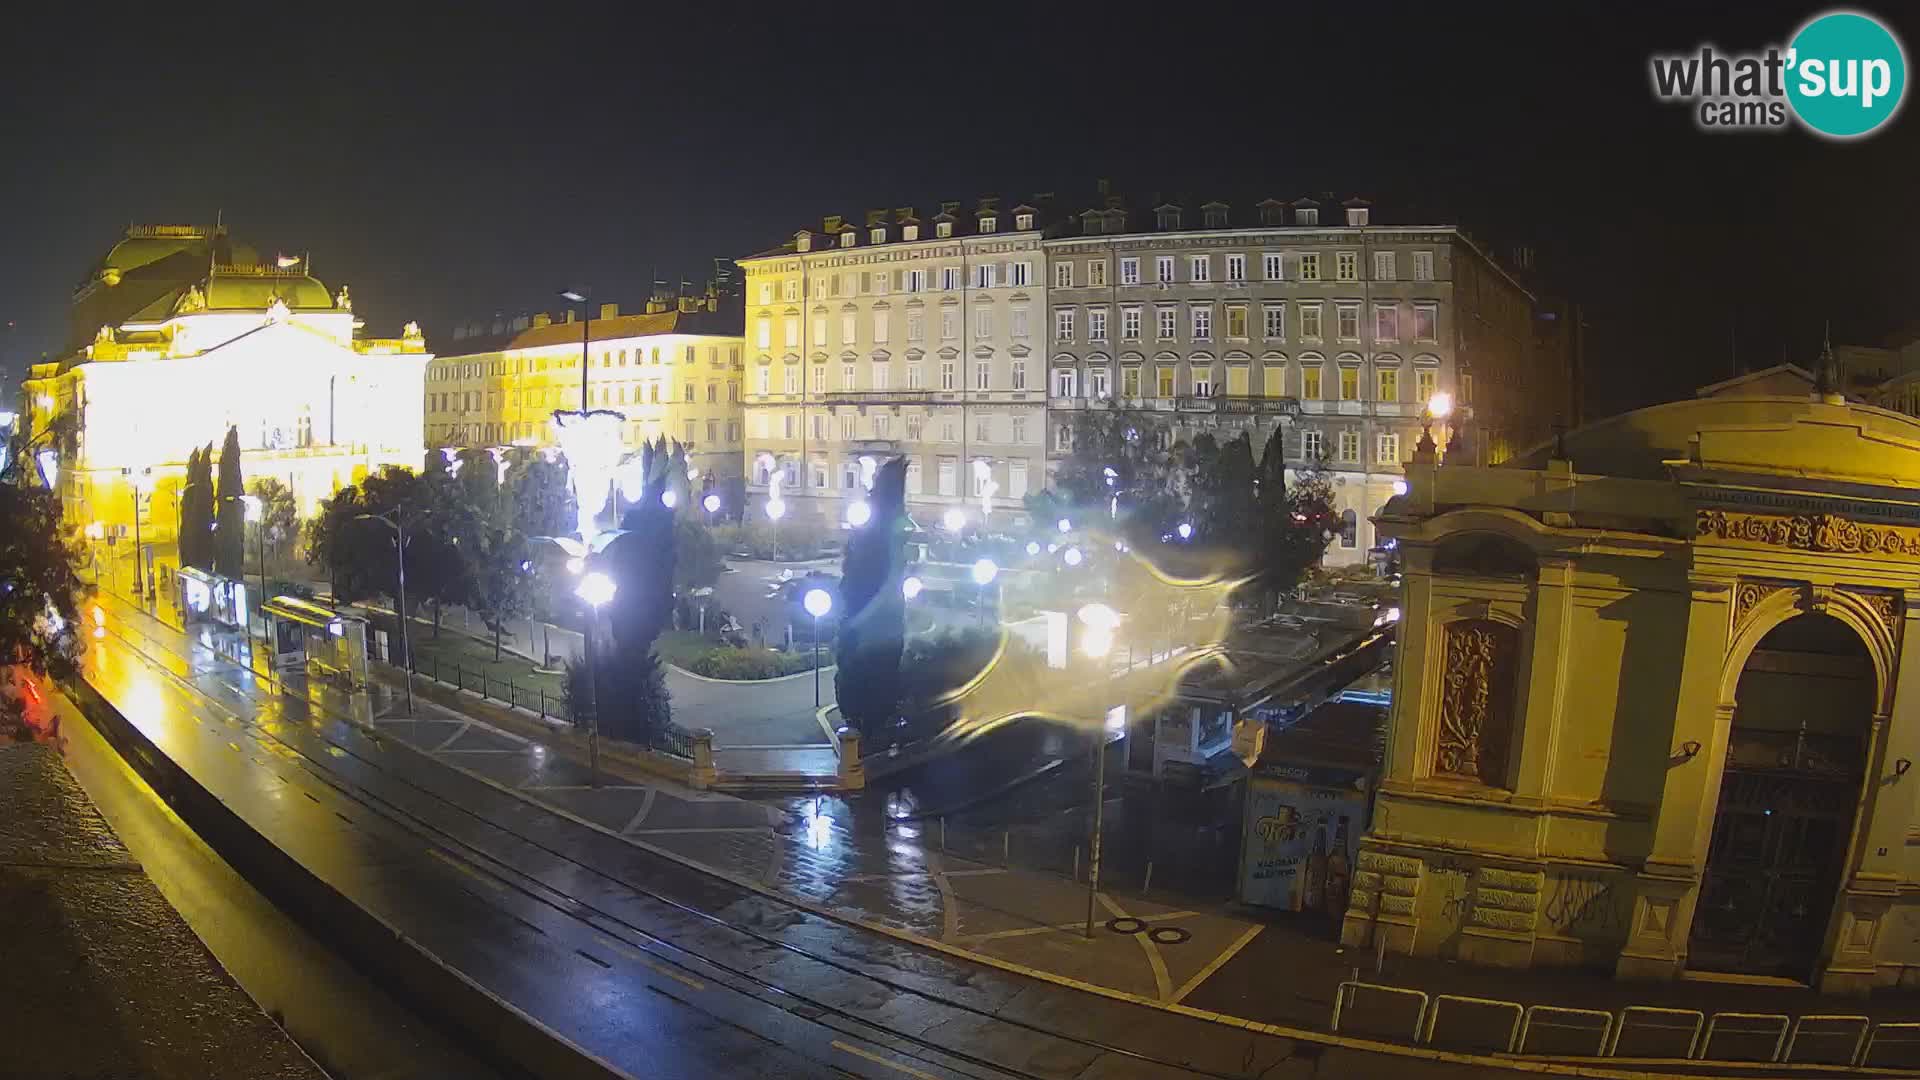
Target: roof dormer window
(803, 242)
(1216, 217)
(989, 223)
(878, 236)
(909, 232)
(1167, 217)
(1357, 215)
(1307, 215)
(943, 229)
(1272, 213)
(846, 238)
(1023, 222)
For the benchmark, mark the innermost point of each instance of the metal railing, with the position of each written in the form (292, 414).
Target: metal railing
(534, 699)
(1487, 1025)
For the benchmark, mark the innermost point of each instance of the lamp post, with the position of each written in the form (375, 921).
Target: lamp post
(392, 520)
(138, 479)
(711, 504)
(818, 602)
(984, 573)
(597, 589)
(585, 300)
(95, 531)
(1096, 641)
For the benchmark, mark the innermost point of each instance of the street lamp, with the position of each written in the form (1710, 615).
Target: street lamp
(712, 506)
(95, 532)
(1185, 530)
(586, 336)
(859, 513)
(1066, 526)
(1096, 641)
(817, 602)
(596, 589)
(984, 573)
(138, 479)
(1073, 556)
(954, 519)
(911, 587)
(392, 520)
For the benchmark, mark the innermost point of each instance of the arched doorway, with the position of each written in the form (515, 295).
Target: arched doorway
(1789, 799)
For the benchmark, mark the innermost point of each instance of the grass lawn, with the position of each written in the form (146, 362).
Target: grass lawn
(681, 646)
(474, 656)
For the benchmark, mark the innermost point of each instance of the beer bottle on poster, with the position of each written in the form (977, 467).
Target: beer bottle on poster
(1339, 876)
(1316, 882)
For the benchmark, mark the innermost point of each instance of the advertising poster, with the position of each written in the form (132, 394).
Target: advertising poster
(1299, 843)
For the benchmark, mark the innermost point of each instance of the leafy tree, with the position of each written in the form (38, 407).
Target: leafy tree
(505, 581)
(443, 543)
(1294, 521)
(279, 516)
(541, 503)
(1131, 444)
(230, 523)
(873, 626)
(697, 559)
(39, 582)
(196, 511)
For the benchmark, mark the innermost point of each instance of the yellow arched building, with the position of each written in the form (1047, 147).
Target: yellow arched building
(180, 333)
(1653, 709)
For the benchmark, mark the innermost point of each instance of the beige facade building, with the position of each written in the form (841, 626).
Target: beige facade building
(1306, 316)
(903, 335)
(1653, 708)
(672, 370)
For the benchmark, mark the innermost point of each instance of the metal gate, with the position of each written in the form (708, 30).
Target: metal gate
(1787, 808)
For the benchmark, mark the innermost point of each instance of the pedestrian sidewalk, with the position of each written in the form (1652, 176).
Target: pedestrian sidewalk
(862, 860)
(103, 977)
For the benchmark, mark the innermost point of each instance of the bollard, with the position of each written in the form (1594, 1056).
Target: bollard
(1076, 862)
(1006, 847)
(943, 833)
(853, 775)
(1147, 887)
(703, 772)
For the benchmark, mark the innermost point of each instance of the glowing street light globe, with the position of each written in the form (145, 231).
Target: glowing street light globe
(859, 513)
(818, 602)
(669, 498)
(911, 587)
(1440, 404)
(1073, 556)
(1033, 547)
(712, 503)
(776, 509)
(984, 571)
(954, 519)
(1399, 487)
(596, 589)
(1065, 525)
(1185, 530)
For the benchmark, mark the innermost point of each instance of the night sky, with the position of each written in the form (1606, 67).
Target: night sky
(450, 167)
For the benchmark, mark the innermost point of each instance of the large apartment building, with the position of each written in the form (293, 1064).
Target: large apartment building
(969, 342)
(1303, 315)
(901, 335)
(674, 370)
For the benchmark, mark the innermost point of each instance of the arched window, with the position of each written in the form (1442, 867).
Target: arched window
(1476, 701)
(1349, 529)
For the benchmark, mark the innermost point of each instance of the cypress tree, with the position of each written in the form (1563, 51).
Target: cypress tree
(873, 623)
(230, 524)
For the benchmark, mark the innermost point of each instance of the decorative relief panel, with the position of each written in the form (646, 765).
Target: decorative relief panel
(1476, 701)
(1885, 605)
(1810, 532)
(1749, 595)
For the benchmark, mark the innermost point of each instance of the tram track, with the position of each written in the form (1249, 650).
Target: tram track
(685, 963)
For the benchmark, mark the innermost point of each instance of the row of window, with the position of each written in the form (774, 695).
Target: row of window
(554, 397)
(986, 475)
(1011, 430)
(1312, 445)
(1311, 384)
(1066, 381)
(528, 431)
(1388, 324)
(608, 358)
(1200, 269)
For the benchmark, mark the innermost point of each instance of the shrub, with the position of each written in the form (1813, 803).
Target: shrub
(730, 663)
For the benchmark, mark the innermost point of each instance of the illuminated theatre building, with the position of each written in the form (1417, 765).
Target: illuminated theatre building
(180, 333)
(1651, 705)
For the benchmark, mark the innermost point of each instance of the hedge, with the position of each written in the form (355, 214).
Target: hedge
(726, 662)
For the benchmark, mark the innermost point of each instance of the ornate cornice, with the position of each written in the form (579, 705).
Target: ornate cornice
(1809, 532)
